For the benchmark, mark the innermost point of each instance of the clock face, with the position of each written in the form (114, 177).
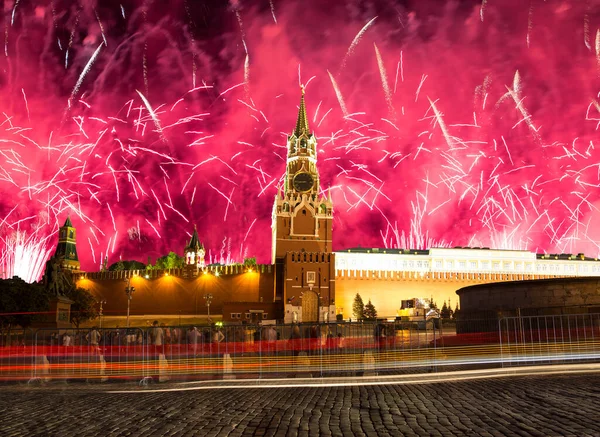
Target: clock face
(303, 182)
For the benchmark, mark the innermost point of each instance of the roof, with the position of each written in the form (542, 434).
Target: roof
(302, 122)
(195, 240)
(552, 256)
(68, 223)
(387, 251)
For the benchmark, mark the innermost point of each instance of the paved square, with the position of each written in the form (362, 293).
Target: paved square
(509, 406)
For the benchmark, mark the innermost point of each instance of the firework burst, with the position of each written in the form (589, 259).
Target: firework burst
(488, 136)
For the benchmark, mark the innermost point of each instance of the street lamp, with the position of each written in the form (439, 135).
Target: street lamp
(102, 302)
(129, 290)
(208, 297)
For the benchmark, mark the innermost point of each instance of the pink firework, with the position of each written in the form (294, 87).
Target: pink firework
(468, 124)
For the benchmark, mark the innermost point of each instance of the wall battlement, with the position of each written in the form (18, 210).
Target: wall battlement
(221, 270)
(310, 257)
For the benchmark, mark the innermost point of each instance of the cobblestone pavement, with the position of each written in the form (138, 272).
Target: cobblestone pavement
(519, 406)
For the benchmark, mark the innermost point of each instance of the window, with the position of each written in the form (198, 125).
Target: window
(233, 315)
(247, 316)
(264, 315)
(473, 265)
(311, 277)
(405, 304)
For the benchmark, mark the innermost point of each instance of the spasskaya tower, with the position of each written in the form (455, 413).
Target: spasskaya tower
(302, 224)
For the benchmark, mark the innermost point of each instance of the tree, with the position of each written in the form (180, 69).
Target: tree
(21, 304)
(370, 313)
(170, 261)
(358, 307)
(127, 265)
(250, 263)
(445, 312)
(116, 267)
(456, 312)
(83, 307)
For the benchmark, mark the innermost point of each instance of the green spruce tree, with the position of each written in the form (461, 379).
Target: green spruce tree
(370, 313)
(358, 308)
(445, 312)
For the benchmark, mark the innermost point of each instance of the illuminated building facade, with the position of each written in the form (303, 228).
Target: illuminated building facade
(390, 276)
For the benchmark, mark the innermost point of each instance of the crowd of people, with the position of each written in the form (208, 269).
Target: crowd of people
(192, 340)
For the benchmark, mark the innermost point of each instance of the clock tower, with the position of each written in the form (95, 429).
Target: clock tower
(302, 224)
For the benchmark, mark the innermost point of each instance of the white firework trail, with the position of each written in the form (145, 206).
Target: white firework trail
(247, 76)
(24, 256)
(153, 115)
(529, 22)
(598, 49)
(338, 94)
(483, 3)
(355, 41)
(440, 120)
(84, 73)
(384, 82)
(273, 11)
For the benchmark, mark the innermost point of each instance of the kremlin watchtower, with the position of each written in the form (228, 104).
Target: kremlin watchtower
(66, 249)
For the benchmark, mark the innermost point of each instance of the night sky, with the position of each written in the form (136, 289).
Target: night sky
(439, 123)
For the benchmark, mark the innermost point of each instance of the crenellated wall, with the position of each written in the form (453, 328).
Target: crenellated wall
(177, 290)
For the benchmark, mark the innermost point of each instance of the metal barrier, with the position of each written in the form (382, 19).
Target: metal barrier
(91, 354)
(567, 338)
(267, 351)
(162, 353)
(15, 360)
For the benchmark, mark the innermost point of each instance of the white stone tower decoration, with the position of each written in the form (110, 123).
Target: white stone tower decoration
(194, 251)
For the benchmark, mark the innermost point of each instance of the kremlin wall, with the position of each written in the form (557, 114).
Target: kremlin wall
(498, 280)
(177, 293)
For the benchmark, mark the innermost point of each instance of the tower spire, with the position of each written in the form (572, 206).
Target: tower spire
(302, 122)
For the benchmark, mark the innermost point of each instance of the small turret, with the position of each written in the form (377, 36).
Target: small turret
(66, 250)
(194, 251)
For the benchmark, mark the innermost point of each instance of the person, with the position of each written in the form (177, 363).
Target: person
(295, 339)
(379, 335)
(115, 335)
(167, 332)
(158, 337)
(218, 336)
(340, 340)
(192, 338)
(93, 339)
(67, 339)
